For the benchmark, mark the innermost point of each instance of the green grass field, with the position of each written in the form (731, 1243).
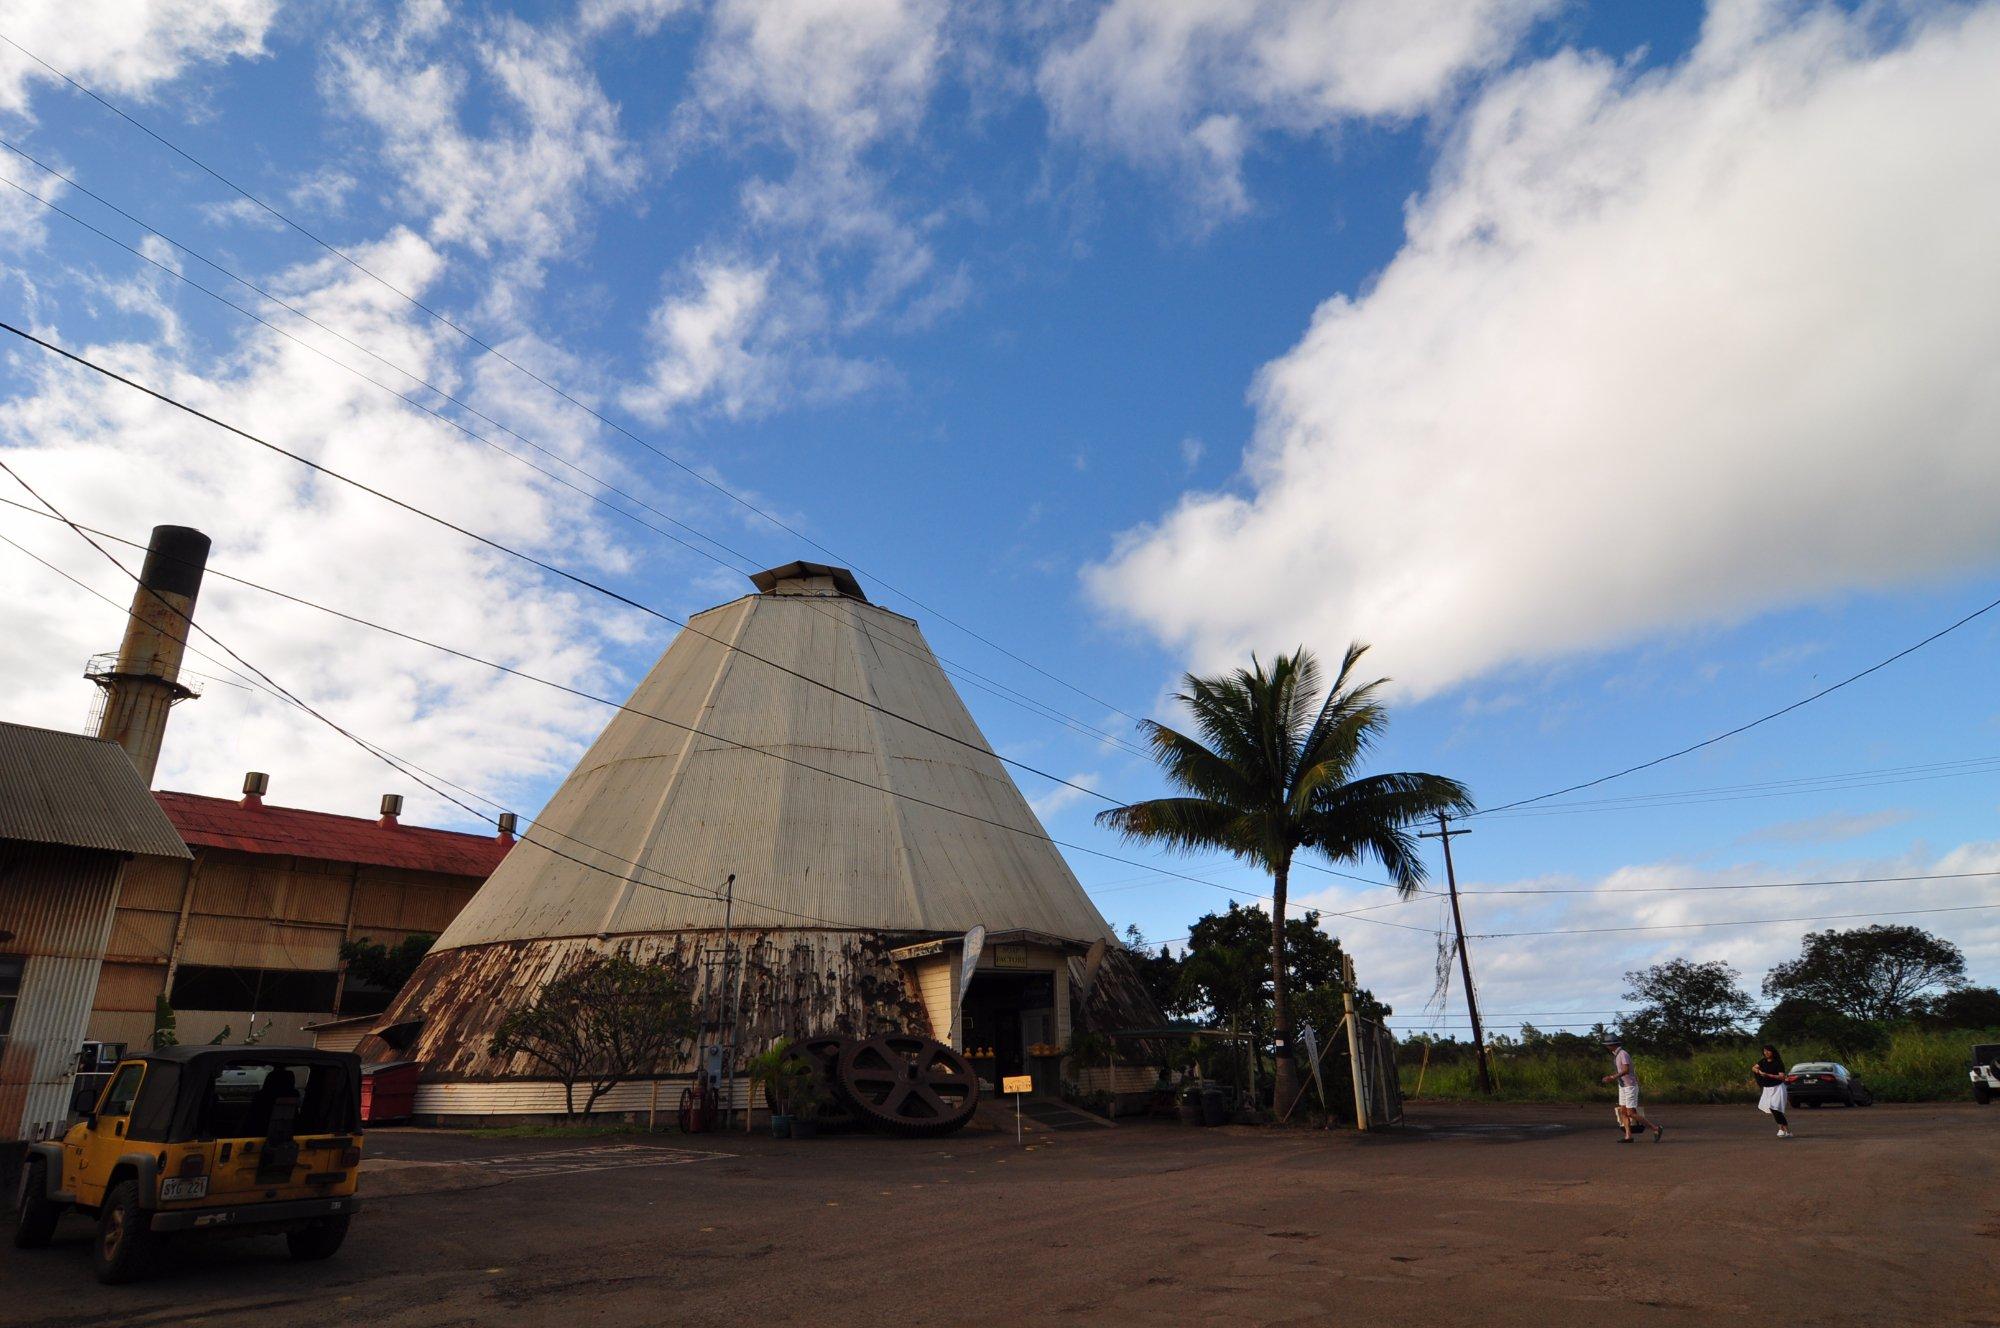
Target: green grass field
(1917, 1066)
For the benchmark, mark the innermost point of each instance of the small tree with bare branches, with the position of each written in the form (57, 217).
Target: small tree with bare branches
(603, 1021)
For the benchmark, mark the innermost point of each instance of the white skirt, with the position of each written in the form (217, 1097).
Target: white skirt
(1773, 1099)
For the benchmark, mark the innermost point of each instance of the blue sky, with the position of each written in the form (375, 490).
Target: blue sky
(1621, 372)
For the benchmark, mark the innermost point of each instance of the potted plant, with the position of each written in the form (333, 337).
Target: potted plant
(782, 1078)
(809, 1096)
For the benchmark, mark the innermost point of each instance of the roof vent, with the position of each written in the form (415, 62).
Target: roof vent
(255, 785)
(507, 823)
(392, 807)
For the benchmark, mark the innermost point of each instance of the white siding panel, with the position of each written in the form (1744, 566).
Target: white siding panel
(525, 1097)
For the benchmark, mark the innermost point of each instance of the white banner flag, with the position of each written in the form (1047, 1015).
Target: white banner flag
(975, 941)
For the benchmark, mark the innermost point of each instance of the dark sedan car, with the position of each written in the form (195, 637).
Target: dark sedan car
(1816, 1083)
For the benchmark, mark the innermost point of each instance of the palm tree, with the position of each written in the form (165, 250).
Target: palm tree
(1274, 771)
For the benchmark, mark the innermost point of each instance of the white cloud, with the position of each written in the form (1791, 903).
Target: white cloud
(81, 439)
(124, 48)
(700, 338)
(1659, 349)
(722, 341)
(832, 77)
(1060, 798)
(645, 16)
(830, 83)
(24, 223)
(1185, 87)
(520, 188)
(1584, 970)
(1830, 828)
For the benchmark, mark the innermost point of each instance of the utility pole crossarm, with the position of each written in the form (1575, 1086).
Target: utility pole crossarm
(1445, 834)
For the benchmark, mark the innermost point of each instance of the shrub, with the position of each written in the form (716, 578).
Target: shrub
(1913, 1064)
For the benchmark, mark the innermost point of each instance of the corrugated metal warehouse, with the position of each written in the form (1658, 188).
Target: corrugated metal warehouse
(863, 847)
(252, 926)
(75, 819)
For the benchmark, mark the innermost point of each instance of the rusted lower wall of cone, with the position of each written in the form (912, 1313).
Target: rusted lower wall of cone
(795, 984)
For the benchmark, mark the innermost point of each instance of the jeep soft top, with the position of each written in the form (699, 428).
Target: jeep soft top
(174, 1103)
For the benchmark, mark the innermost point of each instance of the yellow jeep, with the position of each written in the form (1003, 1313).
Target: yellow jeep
(249, 1140)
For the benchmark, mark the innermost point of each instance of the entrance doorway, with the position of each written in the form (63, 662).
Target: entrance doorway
(1010, 1012)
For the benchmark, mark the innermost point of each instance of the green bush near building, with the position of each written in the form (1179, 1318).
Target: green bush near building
(1917, 1065)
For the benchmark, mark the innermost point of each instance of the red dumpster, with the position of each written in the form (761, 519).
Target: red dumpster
(388, 1091)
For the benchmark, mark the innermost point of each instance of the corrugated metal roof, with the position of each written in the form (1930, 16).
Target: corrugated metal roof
(822, 849)
(64, 788)
(225, 823)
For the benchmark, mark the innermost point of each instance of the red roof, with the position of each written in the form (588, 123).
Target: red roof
(293, 831)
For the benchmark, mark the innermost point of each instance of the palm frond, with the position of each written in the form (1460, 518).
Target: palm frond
(1186, 825)
(1195, 768)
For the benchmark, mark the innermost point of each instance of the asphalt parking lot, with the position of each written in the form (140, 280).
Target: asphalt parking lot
(1502, 1215)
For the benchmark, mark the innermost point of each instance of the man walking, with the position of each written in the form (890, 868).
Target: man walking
(1629, 1115)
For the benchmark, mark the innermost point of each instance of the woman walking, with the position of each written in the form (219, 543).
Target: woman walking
(1770, 1075)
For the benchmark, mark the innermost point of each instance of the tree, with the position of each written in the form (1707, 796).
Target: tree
(165, 1025)
(375, 969)
(1967, 1007)
(1273, 773)
(1799, 1021)
(601, 1022)
(1878, 972)
(1160, 973)
(1684, 1004)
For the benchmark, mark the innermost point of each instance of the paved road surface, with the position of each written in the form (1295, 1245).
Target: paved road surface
(1507, 1215)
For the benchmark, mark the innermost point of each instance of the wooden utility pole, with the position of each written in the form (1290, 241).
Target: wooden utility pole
(1445, 834)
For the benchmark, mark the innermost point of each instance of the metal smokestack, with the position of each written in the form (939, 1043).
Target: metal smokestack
(142, 682)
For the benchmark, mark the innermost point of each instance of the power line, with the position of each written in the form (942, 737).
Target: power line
(1747, 885)
(1829, 784)
(1745, 728)
(1741, 922)
(401, 765)
(1152, 870)
(265, 683)
(959, 671)
(503, 357)
(542, 564)
(567, 575)
(643, 714)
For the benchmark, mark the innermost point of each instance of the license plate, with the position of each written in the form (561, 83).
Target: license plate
(179, 1188)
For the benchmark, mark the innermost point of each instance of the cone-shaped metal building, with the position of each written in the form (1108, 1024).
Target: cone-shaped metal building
(806, 742)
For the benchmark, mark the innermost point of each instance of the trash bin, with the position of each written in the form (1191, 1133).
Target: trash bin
(1214, 1106)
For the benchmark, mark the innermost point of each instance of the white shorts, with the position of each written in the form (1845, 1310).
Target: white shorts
(1773, 1098)
(1628, 1096)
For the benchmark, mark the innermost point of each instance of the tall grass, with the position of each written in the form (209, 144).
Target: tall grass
(1918, 1065)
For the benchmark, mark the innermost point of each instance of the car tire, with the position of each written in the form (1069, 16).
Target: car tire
(123, 1250)
(319, 1238)
(35, 1216)
(1982, 1094)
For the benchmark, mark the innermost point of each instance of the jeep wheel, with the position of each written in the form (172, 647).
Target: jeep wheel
(1982, 1093)
(123, 1251)
(35, 1217)
(319, 1238)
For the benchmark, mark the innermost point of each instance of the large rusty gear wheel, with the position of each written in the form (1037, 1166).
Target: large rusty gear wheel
(902, 1083)
(823, 1054)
